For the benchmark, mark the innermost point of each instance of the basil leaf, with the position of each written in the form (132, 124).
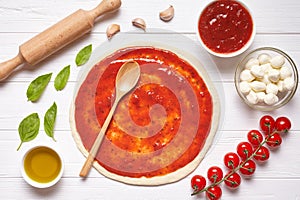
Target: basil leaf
(37, 86)
(83, 55)
(29, 128)
(62, 78)
(49, 120)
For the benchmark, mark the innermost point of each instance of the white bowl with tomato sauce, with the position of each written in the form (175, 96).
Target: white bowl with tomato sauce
(225, 28)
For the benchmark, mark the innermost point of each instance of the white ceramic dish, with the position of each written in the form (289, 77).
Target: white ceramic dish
(231, 54)
(47, 156)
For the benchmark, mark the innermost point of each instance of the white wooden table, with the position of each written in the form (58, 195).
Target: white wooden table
(278, 25)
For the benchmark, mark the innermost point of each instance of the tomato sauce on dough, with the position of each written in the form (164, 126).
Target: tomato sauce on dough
(225, 26)
(159, 127)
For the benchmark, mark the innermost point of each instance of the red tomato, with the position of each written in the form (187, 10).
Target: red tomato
(283, 124)
(244, 150)
(233, 181)
(248, 168)
(267, 124)
(214, 193)
(255, 137)
(214, 174)
(274, 140)
(231, 160)
(198, 183)
(262, 154)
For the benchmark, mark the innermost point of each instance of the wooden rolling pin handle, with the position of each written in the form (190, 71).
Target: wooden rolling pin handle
(7, 67)
(57, 36)
(105, 6)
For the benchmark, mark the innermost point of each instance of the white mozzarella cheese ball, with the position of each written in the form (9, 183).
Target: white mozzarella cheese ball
(272, 88)
(252, 97)
(245, 87)
(260, 96)
(246, 75)
(285, 72)
(266, 67)
(271, 99)
(277, 61)
(288, 83)
(258, 86)
(280, 86)
(251, 62)
(257, 71)
(274, 75)
(265, 79)
(264, 58)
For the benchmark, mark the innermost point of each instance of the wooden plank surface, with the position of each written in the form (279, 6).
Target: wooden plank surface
(278, 25)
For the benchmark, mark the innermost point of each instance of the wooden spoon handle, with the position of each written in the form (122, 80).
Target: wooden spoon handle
(97, 143)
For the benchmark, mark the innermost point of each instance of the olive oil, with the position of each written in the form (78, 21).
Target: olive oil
(42, 164)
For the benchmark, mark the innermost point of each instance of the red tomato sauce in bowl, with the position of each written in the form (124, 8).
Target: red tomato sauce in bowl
(226, 28)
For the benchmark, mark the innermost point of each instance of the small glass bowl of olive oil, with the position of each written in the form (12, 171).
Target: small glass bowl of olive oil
(42, 167)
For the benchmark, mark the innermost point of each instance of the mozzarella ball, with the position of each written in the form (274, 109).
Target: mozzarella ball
(277, 61)
(245, 87)
(280, 86)
(274, 75)
(252, 97)
(285, 72)
(264, 58)
(266, 67)
(271, 99)
(260, 96)
(257, 71)
(246, 75)
(258, 86)
(251, 62)
(288, 83)
(272, 88)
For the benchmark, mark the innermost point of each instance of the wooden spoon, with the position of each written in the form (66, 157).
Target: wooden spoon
(127, 77)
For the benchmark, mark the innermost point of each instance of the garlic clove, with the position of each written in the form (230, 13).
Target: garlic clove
(167, 14)
(140, 23)
(112, 30)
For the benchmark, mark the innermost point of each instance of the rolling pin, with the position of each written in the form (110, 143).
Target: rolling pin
(57, 36)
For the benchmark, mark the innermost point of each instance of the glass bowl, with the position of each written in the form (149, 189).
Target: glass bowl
(247, 70)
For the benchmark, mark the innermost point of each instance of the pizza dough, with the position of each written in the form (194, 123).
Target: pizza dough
(161, 130)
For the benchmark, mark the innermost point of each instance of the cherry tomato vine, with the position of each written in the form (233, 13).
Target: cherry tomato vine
(243, 162)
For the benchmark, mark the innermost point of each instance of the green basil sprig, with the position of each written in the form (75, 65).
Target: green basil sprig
(62, 78)
(83, 55)
(37, 86)
(49, 120)
(29, 128)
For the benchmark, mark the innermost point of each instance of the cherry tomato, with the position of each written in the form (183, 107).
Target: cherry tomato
(255, 137)
(214, 193)
(267, 124)
(283, 124)
(262, 154)
(214, 174)
(231, 160)
(274, 140)
(233, 181)
(244, 150)
(248, 168)
(198, 182)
